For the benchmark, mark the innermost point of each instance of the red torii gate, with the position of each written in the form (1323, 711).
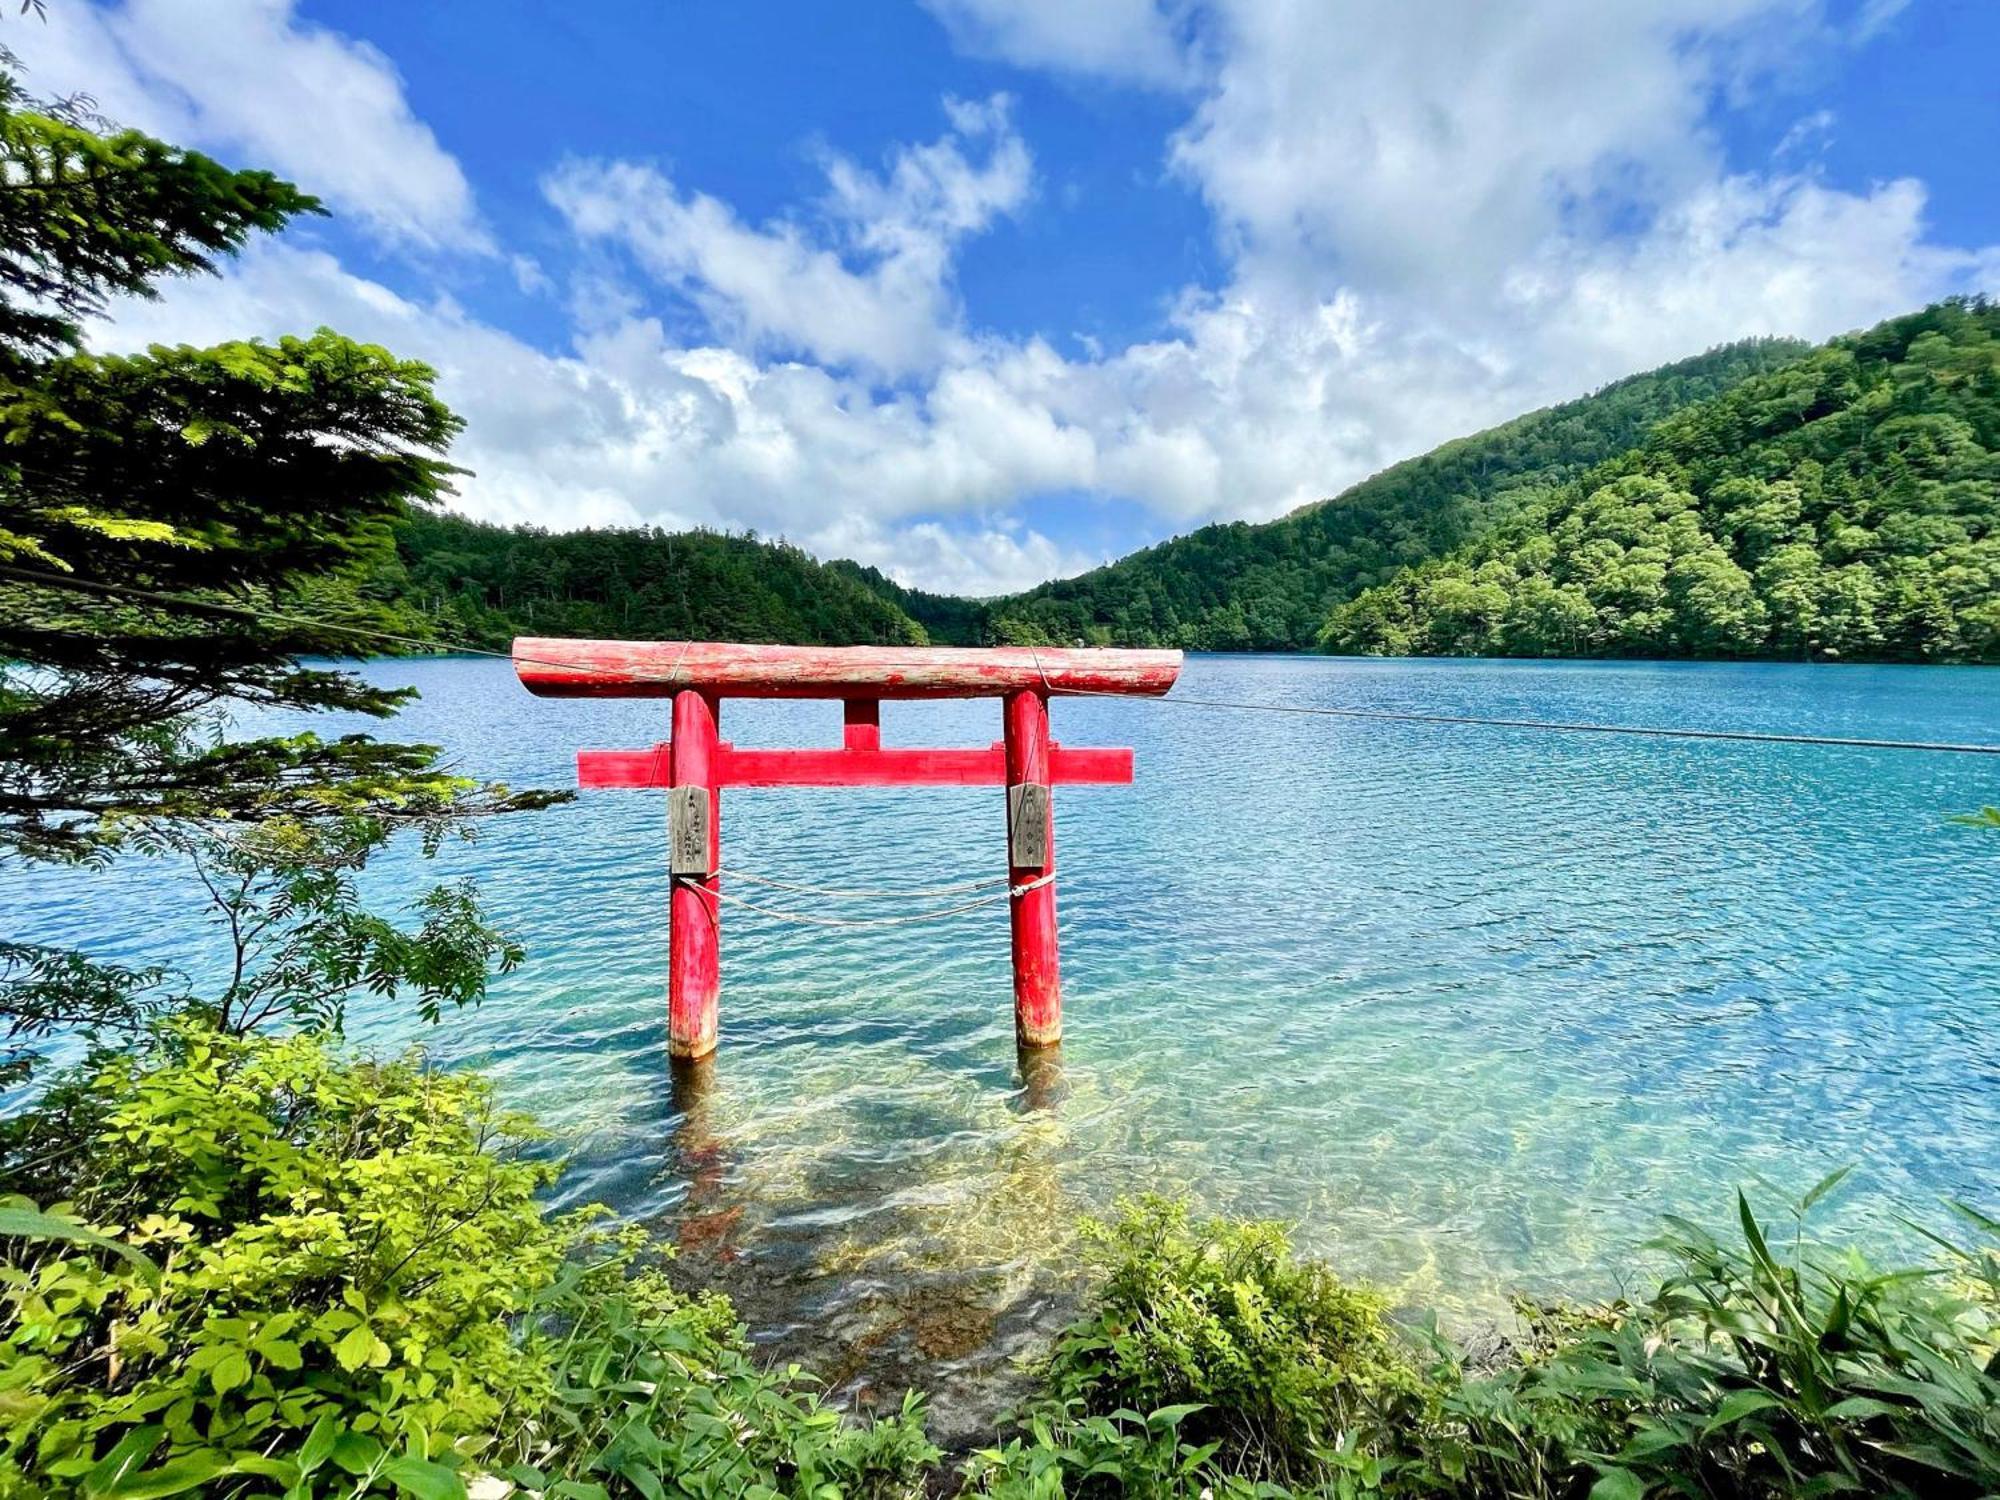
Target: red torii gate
(696, 764)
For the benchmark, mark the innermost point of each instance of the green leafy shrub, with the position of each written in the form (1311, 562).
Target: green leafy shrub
(291, 934)
(338, 1242)
(356, 1289)
(656, 1394)
(1753, 1374)
(1276, 1360)
(1065, 1450)
(1211, 1362)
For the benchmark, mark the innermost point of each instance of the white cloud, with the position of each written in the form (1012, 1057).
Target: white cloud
(529, 277)
(875, 290)
(1374, 147)
(1807, 135)
(1744, 255)
(1128, 39)
(249, 77)
(633, 428)
(992, 556)
(1430, 227)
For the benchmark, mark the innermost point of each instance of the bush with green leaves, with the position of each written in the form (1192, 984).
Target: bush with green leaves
(656, 1394)
(1211, 1350)
(293, 944)
(1212, 1362)
(1752, 1372)
(353, 1289)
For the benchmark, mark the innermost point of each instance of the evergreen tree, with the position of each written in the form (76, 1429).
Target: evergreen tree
(237, 475)
(167, 520)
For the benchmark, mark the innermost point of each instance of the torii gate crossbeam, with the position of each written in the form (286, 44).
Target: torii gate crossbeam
(696, 760)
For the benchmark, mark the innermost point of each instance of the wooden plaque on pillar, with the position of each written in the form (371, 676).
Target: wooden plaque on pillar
(1027, 826)
(687, 830)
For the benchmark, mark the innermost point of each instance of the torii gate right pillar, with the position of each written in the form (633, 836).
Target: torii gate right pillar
(1031, 857)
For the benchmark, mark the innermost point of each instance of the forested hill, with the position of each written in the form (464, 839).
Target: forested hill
(1270, 587)
(460, 581)
(1845, 505)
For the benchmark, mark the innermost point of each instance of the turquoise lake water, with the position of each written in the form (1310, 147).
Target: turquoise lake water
(1469, 1007)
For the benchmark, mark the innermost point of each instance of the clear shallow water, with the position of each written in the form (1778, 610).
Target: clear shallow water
(1470, 1007)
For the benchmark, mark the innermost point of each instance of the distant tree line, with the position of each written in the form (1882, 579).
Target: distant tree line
(460, 581)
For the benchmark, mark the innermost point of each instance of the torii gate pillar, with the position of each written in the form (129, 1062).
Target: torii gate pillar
(696, 764)
(694, 913)
(1031, 909)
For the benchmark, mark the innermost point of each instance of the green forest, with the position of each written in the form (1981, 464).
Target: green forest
(1232, 587)
(1840, 507)
(455, 580)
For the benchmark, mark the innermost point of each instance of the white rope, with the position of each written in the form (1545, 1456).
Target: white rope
(864, 893)
(904, 919)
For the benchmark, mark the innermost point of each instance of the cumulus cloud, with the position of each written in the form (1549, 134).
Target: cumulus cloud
(250, 77)
(1136, 40)
(876, 290)
(1363, 145)
(632, 428)
(1429, 227)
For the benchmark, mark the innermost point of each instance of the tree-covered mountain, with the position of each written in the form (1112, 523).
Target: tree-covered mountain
(947, 619)
(1270, 587)
(464, 582)
(1844, 505)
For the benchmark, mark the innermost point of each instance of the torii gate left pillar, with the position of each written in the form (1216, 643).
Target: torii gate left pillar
(696, 764)
(694, 919)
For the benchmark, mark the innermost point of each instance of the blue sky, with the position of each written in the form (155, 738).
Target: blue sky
(985, 291)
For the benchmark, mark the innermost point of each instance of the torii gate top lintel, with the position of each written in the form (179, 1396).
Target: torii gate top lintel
(696, 764)
(658, 669)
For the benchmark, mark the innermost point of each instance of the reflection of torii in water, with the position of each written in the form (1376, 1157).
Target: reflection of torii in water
(697, 1153)
(709, 1222)
(696, 764)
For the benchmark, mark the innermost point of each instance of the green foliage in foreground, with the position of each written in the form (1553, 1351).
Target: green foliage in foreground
(358, 1293)
(1749, 1373)
(291, 933)
(1275, 1358)
(331, 1277)
(1846, 505)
